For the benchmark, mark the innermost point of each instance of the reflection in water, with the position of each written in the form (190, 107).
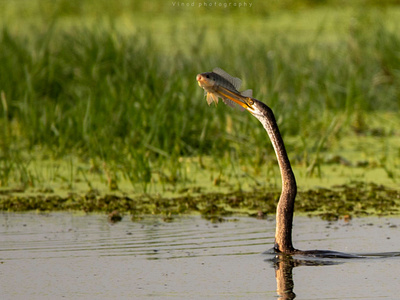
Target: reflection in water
(48, 256)
(284, 277)
(284, 264)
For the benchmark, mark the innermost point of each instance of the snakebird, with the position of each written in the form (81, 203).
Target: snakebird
(285, 208)
(212, 84)
(284, 211)
(221, 84)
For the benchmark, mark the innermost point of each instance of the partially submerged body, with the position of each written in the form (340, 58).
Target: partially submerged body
(225, 87)
(219, 84)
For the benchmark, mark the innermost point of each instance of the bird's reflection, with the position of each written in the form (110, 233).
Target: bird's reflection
(284, 277)
(284, 264)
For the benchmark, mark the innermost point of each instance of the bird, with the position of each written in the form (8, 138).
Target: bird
(283, 243)
(285, 208)
(219, 84)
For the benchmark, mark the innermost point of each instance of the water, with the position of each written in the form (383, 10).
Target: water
(62, 255)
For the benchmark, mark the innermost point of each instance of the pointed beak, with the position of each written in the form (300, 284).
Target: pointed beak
(245, 102)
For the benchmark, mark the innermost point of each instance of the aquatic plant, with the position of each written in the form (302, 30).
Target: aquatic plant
(112, 97)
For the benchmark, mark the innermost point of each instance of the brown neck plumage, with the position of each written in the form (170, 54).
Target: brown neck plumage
(285, 208)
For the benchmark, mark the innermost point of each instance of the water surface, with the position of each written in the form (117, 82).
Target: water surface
(58, 255)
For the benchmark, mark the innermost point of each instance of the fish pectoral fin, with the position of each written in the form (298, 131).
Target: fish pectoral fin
(209, 98)
(215, 97)
(212, 98)
(236, 82)
(247, 93)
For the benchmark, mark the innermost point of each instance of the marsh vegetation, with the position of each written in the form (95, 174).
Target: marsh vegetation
(101, 100)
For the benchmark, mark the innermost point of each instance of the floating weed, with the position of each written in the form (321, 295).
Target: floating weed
(344, 201)
(114, 217)
(354, 199)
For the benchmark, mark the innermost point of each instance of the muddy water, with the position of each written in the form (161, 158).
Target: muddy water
(84, 257)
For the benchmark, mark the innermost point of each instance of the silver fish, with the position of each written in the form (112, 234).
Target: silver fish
(217, 81)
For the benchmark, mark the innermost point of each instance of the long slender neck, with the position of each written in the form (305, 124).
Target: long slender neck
(285, 208)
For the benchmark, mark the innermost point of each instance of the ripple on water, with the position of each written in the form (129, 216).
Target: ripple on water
(47, 256)
(58, 235)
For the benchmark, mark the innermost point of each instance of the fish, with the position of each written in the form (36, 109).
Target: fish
(220, 84)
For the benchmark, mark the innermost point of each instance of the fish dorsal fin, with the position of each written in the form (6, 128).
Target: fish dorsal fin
(236, 82)
(247, 93)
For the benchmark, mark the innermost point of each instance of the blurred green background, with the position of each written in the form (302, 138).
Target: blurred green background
(102, 94)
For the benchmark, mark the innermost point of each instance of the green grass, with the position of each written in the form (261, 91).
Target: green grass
(113, 99)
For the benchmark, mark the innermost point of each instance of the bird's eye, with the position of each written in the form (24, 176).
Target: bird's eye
(250, 101)
(208, 76)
